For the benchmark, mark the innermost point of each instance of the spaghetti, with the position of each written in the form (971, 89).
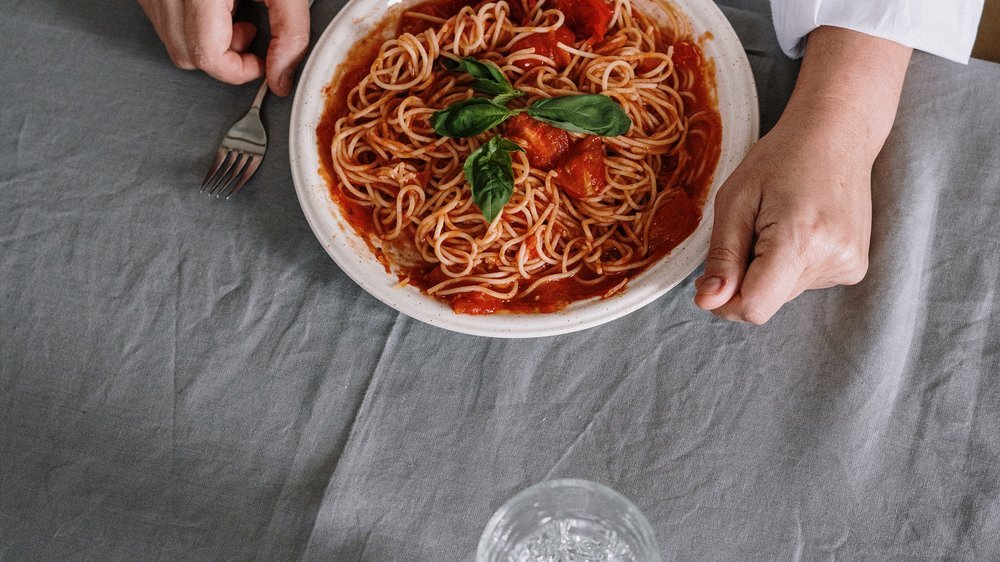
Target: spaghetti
(402, 186)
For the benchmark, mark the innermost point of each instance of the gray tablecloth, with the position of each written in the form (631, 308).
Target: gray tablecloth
(188, 379)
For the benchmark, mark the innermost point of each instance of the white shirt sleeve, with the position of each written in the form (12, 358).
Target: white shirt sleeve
(946, 28)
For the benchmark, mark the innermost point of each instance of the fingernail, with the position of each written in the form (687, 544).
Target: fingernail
(710, 285)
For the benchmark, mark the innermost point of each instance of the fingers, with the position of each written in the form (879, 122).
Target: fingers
(243, 35)
(289, 20)
(211, 37)
(789, 259)
(201, 34)
(167, 17)
(775, 276)
(729, 251)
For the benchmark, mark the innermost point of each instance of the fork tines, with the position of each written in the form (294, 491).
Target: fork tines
(231, 171)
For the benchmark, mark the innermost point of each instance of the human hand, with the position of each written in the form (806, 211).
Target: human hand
(202, 34)
(796, 213)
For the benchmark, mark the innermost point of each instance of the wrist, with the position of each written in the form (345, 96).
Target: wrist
(850, 82)
(835, 124)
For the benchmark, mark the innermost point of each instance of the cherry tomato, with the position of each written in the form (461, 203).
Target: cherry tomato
(581, 170)
(544, 143)
(545, 44)
(586, 18)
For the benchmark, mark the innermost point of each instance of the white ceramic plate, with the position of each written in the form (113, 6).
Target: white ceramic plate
(737, 107)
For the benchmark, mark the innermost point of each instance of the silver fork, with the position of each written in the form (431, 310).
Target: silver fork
(240, 154)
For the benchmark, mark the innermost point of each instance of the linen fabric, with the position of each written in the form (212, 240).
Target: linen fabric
(183, 378)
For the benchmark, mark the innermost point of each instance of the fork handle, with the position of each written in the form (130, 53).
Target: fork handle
(259, 98)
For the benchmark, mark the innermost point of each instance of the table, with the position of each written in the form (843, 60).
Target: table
(182, 378)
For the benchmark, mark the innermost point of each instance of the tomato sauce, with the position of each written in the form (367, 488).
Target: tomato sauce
(672, 224)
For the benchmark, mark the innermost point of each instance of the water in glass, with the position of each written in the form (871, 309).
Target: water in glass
(568, 521)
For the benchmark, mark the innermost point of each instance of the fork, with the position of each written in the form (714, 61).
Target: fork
(240, 154)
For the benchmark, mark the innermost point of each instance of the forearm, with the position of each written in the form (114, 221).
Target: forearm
(850, 82)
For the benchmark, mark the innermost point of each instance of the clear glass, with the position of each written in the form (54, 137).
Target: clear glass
(568, 521)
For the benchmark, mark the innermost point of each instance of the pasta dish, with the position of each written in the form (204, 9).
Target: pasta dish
(519, 155)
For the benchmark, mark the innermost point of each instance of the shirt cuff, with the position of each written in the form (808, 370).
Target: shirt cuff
(946, 28)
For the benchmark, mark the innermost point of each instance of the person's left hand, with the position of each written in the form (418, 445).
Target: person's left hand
(202, 34)
(795, 215)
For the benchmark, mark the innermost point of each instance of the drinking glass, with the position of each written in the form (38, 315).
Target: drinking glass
(568, 520)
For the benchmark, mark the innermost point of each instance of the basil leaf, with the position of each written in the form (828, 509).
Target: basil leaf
(489, 79)
(502, 99)
(490, 174)
(468, 118)
(480, 70)
(500, 143)
(587, 113)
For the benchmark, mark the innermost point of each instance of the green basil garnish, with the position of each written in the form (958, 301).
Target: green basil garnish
(592, 114)
(489, 170)
(490, 173)
(469, 118)
(502, 99)
(489, 79)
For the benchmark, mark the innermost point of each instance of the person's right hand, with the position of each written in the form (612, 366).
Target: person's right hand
(201, 34)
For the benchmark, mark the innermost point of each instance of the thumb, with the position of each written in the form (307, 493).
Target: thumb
(729, 251)
(774, 278)
(289, 21)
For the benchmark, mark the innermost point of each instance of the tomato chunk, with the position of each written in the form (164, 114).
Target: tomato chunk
(544, 143)
(587, 18)
(647, 64)
(435, 275)
(581, 170)
(686, 55)
(474, 302)
(546, 45)
(519, 9)
(674, 221)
